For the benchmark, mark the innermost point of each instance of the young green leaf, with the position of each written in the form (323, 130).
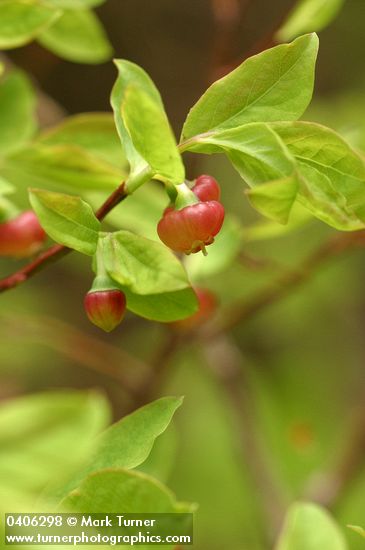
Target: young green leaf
(151, 134)
(94, 133)
(309, 16)
(276, 84)
(129, 442)
(67, 219)
(68, 167)
(47, 436)
(21, 21)
(117, 489)
(77, 36)
(165, 307)
(142, 265)
(17, 111)
(310, 527)
(326, 153)
(134, 85)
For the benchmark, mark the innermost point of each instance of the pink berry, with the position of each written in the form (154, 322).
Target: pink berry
(207, 188)
(192, 228)
(105, 308)
(21, 236)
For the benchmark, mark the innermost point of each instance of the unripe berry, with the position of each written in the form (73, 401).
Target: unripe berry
(105, 308)
(21, 236)
(207, 188)
(192, 228)
(207, 305)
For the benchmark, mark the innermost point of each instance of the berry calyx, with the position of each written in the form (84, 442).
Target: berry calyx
(105, 308)
(207, 188)
(22, 236)
(192, 228)
(208, 302)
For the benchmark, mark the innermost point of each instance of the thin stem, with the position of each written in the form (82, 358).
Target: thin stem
(57, 251)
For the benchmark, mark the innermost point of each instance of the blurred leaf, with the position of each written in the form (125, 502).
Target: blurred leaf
(76, 4)
(268, 229)
(63, 167)
(5, 187)
(142, 265)
(67, 219)
(309, 16)
(274, 85)
(142, 124)
(357, 529)
(21, 21)
(77, 36)
(275, 198)
(165, 307)
(17, 111)
(310, 527)
(116, 489)
(46, 436)
(128, 443)
(227, 245)
(94, 133)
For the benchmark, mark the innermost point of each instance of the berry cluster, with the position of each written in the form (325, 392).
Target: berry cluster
(193, 227)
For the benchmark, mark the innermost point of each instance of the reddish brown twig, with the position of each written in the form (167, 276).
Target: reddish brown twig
(286, 282)
(57, 251)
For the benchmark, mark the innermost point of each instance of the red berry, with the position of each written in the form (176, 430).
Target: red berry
(21, 236)
(207, 306)
(207, 188)
(192, 228)
(105, 308)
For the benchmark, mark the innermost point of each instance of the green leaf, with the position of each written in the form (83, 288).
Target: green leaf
(276, 84)
(21, 21)
(46, 436)
(260, 156)
(129, 442)
(77, 36)
(310, 527)
(329, 167)
(63, 166)
(165, 307)
(94, 133)
(309, 16)
(275, 199)
(117, 489)
(142, 265)
(67, 219)
(151, 134)
(156, 147)
(17, 111)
